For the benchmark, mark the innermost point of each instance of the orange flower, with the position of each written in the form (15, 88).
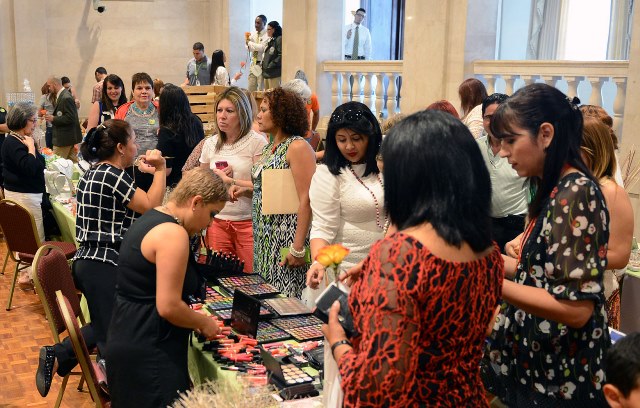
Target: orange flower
(332, 255)
(47, 151)
(242, 64)
(247, 35)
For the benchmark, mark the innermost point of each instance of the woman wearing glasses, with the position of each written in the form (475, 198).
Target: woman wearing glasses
(23, 168)
(148, 335)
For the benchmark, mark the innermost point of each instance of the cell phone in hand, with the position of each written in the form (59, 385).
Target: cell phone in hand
(324, 303)
(222, 164)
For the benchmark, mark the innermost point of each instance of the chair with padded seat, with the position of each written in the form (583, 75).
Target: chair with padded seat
(51, 274)
(96, 379)
(21, 235)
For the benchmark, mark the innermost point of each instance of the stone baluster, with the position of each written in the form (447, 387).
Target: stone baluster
(572, 82)
(490, 79)
(550, 79)
(529, 79)
(509, 81)
(379, 97)
(618, 105)
(392, 93)
(596, 90)
(346, 88)
(356, 88)
(367, 91)
(335, 95)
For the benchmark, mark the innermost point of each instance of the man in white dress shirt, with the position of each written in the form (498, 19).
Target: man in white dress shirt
(357, 44)
(508, 190)
(256, 43)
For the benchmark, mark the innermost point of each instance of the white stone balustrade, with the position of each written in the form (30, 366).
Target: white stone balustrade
(585, 79)
(374, 83)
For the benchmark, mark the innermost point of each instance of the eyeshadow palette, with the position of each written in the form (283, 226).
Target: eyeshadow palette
(219, 304)
(296, 321)
(305, 333)
(288, 306)
(213, 294)
(232, 282)
(268, 333)
(294, 375)
(225, 314)
(260, 290)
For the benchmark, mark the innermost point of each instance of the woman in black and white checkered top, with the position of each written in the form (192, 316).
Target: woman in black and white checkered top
(108, 202)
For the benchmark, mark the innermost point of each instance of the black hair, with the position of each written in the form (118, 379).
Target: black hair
(263, 18)
(622, 363)
(357, 117)
(277, 29)
(491, 99)
(434, 172)
(140, 78)
(175, 114)
(198, 46)
(65, 80)
(101, 142)
(529, 108)
(101, 70)
(361, 9)
(217, 60)
(106, 101)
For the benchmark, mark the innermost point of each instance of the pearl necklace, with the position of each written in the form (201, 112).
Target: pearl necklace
(375, 200)
(17, 136)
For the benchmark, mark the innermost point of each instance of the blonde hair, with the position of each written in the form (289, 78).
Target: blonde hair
(391, 121)
(597, 145)
(242, 105)
(598, 112)
(202, 182)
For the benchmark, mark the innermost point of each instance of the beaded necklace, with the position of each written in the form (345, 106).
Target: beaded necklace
(375, 200)
(143, 112)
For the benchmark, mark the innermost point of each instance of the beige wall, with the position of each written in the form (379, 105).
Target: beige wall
(67, 37)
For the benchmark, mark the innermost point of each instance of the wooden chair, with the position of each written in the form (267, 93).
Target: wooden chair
(52, 274)
(22, 238)
(92, 372)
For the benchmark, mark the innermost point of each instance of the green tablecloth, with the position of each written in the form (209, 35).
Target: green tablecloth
(203, 367)
(66, 221)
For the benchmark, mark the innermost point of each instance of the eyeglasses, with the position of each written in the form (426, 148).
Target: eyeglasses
(34, 121)
(351, 115)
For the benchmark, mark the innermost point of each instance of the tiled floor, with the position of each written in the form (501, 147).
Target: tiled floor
(23, 330)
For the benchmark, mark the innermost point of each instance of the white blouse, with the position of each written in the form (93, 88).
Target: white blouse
(473, 120)
(240, 156)
(222, 77)
(345, 212)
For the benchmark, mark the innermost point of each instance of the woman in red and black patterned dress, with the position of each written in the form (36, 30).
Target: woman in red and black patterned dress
(426, 295)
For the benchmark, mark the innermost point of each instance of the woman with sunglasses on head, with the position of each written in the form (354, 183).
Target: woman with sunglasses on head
(426, 295)
(548, 342)
(149, 331)
(283, 115)
(108, 201)
(347, 192)
(113, 96)
(219, 73)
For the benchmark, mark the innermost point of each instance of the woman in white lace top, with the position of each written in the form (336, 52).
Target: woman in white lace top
(346, 192)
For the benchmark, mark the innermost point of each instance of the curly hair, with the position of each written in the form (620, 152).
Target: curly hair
(287, 111)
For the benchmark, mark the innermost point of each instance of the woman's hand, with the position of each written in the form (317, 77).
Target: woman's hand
(210, 330)
(228, 171)
(512, 248)
(30, 143)
(237, 75)
(151, 162)
(352, 274)
(334, 331)
(292, 261)
(236, 192)
(223, 175)
(315, 275)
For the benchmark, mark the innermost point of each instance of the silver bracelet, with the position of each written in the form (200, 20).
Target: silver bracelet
(296, 253)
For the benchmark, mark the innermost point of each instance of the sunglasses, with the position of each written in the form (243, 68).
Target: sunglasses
(350, 115)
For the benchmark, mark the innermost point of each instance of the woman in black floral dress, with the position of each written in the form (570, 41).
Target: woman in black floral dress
(550, 336)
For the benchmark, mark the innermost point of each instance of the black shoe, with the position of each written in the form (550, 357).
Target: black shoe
(44, 375)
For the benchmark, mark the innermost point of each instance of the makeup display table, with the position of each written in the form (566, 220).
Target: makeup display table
(66, 220)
